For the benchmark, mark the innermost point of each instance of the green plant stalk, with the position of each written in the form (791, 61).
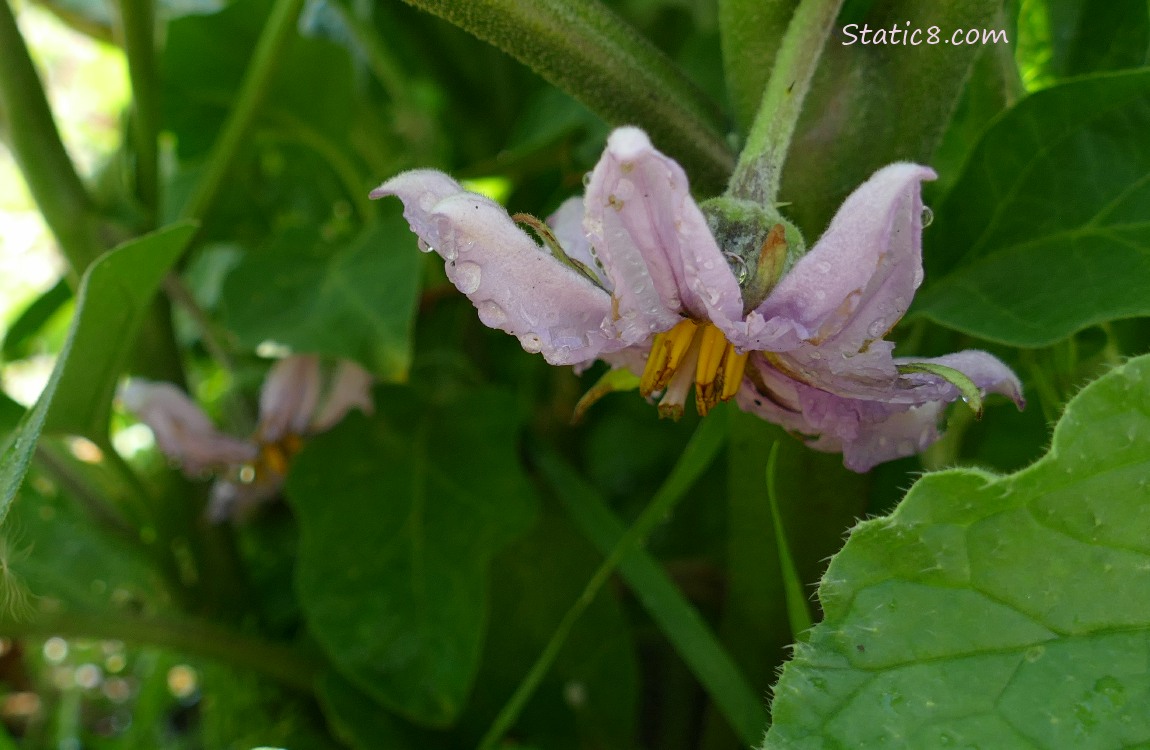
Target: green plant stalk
(798, 613)
(759, 171)
(35, 142)
(138, 32)
(751, 32)
(277, 33)
(586, 50)
(677, 618)
(281, 663)
(696, 457)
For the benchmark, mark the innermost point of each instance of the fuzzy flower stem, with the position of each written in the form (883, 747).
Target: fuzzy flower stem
(759, 171)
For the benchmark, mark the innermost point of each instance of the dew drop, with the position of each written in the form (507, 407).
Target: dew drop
(467, 277)
(586, 179)
(738, 267)
(423, 246)
(927, 217)
(531, 343)
(491, 314)
(877, 328)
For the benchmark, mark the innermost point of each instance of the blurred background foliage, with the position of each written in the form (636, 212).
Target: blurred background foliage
(305, 626)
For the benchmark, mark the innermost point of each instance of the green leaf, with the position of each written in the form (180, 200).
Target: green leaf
(358, 721)
(675, 615)
(874, 104)
(17, 341)
(598, 58)
(590, 697)
(399, 516)
(356, 301)
(994, 611)
(1045, 233)
(1078, 37)
(311, 86)
(113, 297)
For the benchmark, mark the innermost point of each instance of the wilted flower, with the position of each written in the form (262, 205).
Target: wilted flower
(253, 470)
(632, 274)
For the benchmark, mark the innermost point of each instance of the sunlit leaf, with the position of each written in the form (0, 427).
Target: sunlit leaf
(994, 611)
(113, 296)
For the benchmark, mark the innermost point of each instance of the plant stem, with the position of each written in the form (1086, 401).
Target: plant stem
(798, 613)
(759, 171)
(191, 636)
(137, 28)
(697, 456)
(36, 144)
(276, 35)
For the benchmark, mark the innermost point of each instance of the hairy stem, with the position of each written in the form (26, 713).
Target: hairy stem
(759, 171)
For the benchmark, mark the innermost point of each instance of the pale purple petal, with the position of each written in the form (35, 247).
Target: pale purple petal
(182, 431)
(350, 389)
(289, 397)
(858, 279)
(653, 240)
(986, 370)
(515, 285)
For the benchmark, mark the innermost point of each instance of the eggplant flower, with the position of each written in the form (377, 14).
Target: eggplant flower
(632, 273)
(252, 470)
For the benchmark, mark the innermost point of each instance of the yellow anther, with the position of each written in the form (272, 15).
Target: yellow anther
(711, 350)
(734, 365)
(666, 355)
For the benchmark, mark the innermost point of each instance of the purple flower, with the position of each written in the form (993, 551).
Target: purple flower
(253, 470)
(632, 274)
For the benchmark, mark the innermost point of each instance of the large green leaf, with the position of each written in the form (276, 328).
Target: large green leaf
(312, 87)
(1046, 232)
(399, 516)
(994, 611)
(356, 301)
(113, 296)
(874, 104)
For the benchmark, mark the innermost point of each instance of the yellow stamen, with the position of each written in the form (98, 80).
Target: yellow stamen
(710, 360)
(666, 354)
(692, 352)
(734, 365)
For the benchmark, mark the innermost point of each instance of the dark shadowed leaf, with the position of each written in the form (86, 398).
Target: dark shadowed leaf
(355, 301)
(399, 517)
(1046, 232)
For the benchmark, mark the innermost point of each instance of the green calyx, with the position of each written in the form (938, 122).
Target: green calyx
(759, 243)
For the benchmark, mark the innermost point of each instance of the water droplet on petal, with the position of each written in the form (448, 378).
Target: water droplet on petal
(738, 267)
(423, 246)
(877, 328)
(427, 201)
(927, 217)
(531, 343)
(467, 277)
(586, 179)
(491, 314)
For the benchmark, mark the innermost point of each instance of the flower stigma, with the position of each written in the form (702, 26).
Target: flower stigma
(692, 352)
